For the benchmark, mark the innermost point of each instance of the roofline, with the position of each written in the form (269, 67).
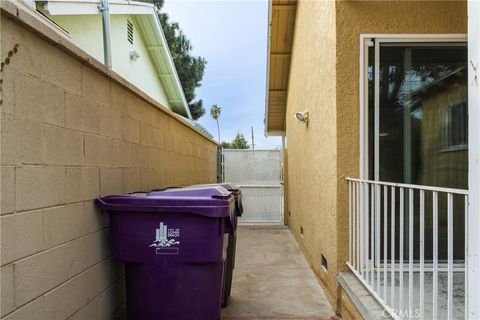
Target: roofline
(81, 7)
(272, 34)
(90, 7)
(267, 78)
(171, 63)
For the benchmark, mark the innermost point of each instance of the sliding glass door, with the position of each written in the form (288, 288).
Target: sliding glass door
(415, 100)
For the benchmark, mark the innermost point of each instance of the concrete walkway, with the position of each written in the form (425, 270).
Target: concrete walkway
(272, 279)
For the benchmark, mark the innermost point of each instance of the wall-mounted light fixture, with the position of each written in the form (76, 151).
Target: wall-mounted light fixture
(134, 56)
(302, 116)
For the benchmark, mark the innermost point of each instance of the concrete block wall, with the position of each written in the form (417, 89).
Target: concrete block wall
(72, 131)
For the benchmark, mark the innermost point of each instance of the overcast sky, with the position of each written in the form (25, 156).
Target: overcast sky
(232, 37)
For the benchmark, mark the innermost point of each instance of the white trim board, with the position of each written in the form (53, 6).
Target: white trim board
(472, 306)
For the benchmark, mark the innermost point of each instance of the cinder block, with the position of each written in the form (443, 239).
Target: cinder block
(110, 122)
(131, 180)
(8, 92)
(160, 120)
(102, 275)
(105, 243)
(22, 235)
(8, 304)
(63, 301)
(171, 160)
(160, 178)
(155, 158)
(168, 139)
(39, 186)
(57, 67)
(82, 184)
(7, 189)
(37, 274)
(111, 300)
(95, 86)
(135, 107)
(64, 223)
(89, 312)
(111, 181)
(38, 101)
(158, 138)
(140, 156)
(22, 141)
(131, 129)
(147, 133)
(95, 218)
(31, 311)
(122, 154)
(98, 151)
(119, 97)
(63, 146)
(23, 60)
(82, 253)
(82, 114)
(148, 179)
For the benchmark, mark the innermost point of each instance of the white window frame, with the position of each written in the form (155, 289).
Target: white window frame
(374, 40)
(472, 306)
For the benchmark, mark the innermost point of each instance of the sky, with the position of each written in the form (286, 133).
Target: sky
(232, 37)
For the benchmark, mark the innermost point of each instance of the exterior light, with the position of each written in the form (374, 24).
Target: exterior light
(302, 116)
(134, 56)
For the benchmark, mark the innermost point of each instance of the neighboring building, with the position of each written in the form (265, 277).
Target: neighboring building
(385, 85)
(140, 53)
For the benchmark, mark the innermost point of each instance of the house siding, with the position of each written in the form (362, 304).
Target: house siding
(72, 131)
(324, 78)
(86, 32)
(312, 150)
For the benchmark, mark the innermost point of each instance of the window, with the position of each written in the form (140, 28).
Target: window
(415, 100)
(130, 31)
(414, 119)
(455, 127)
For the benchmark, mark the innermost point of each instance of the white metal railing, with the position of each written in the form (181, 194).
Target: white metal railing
(407, 245)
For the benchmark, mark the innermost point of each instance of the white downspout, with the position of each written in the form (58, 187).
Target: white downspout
(107, 52)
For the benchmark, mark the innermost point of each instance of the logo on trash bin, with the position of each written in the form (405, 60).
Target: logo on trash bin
(162, 244)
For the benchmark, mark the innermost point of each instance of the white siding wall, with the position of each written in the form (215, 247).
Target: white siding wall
(86, 32)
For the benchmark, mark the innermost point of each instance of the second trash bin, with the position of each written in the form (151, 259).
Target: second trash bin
(232, 240)
(173, 244)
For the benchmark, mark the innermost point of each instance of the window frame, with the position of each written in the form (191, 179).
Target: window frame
(375, 40)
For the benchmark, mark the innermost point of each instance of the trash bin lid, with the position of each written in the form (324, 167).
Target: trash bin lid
(206, 201)
(226, 185)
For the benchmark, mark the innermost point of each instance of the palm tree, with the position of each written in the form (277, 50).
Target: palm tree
(215, 113)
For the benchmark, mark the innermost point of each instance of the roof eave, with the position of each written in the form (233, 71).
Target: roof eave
(280, 12)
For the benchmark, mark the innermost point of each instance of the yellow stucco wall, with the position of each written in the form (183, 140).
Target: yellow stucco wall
(312, 150)
(363, 17)
(324, 78)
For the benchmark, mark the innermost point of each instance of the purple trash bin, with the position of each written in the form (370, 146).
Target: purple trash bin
(173, 243)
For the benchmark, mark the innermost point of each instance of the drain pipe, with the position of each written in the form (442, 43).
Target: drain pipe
(107, 52)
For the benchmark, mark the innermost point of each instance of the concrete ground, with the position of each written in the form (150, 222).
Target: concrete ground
(272, 279)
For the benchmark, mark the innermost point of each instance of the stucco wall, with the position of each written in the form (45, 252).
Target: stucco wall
(324, 78)
(71, 131)
(86, 32)
(312, 150)
(374, 17)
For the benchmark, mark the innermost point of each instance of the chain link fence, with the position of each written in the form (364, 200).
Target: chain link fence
(258, 173)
